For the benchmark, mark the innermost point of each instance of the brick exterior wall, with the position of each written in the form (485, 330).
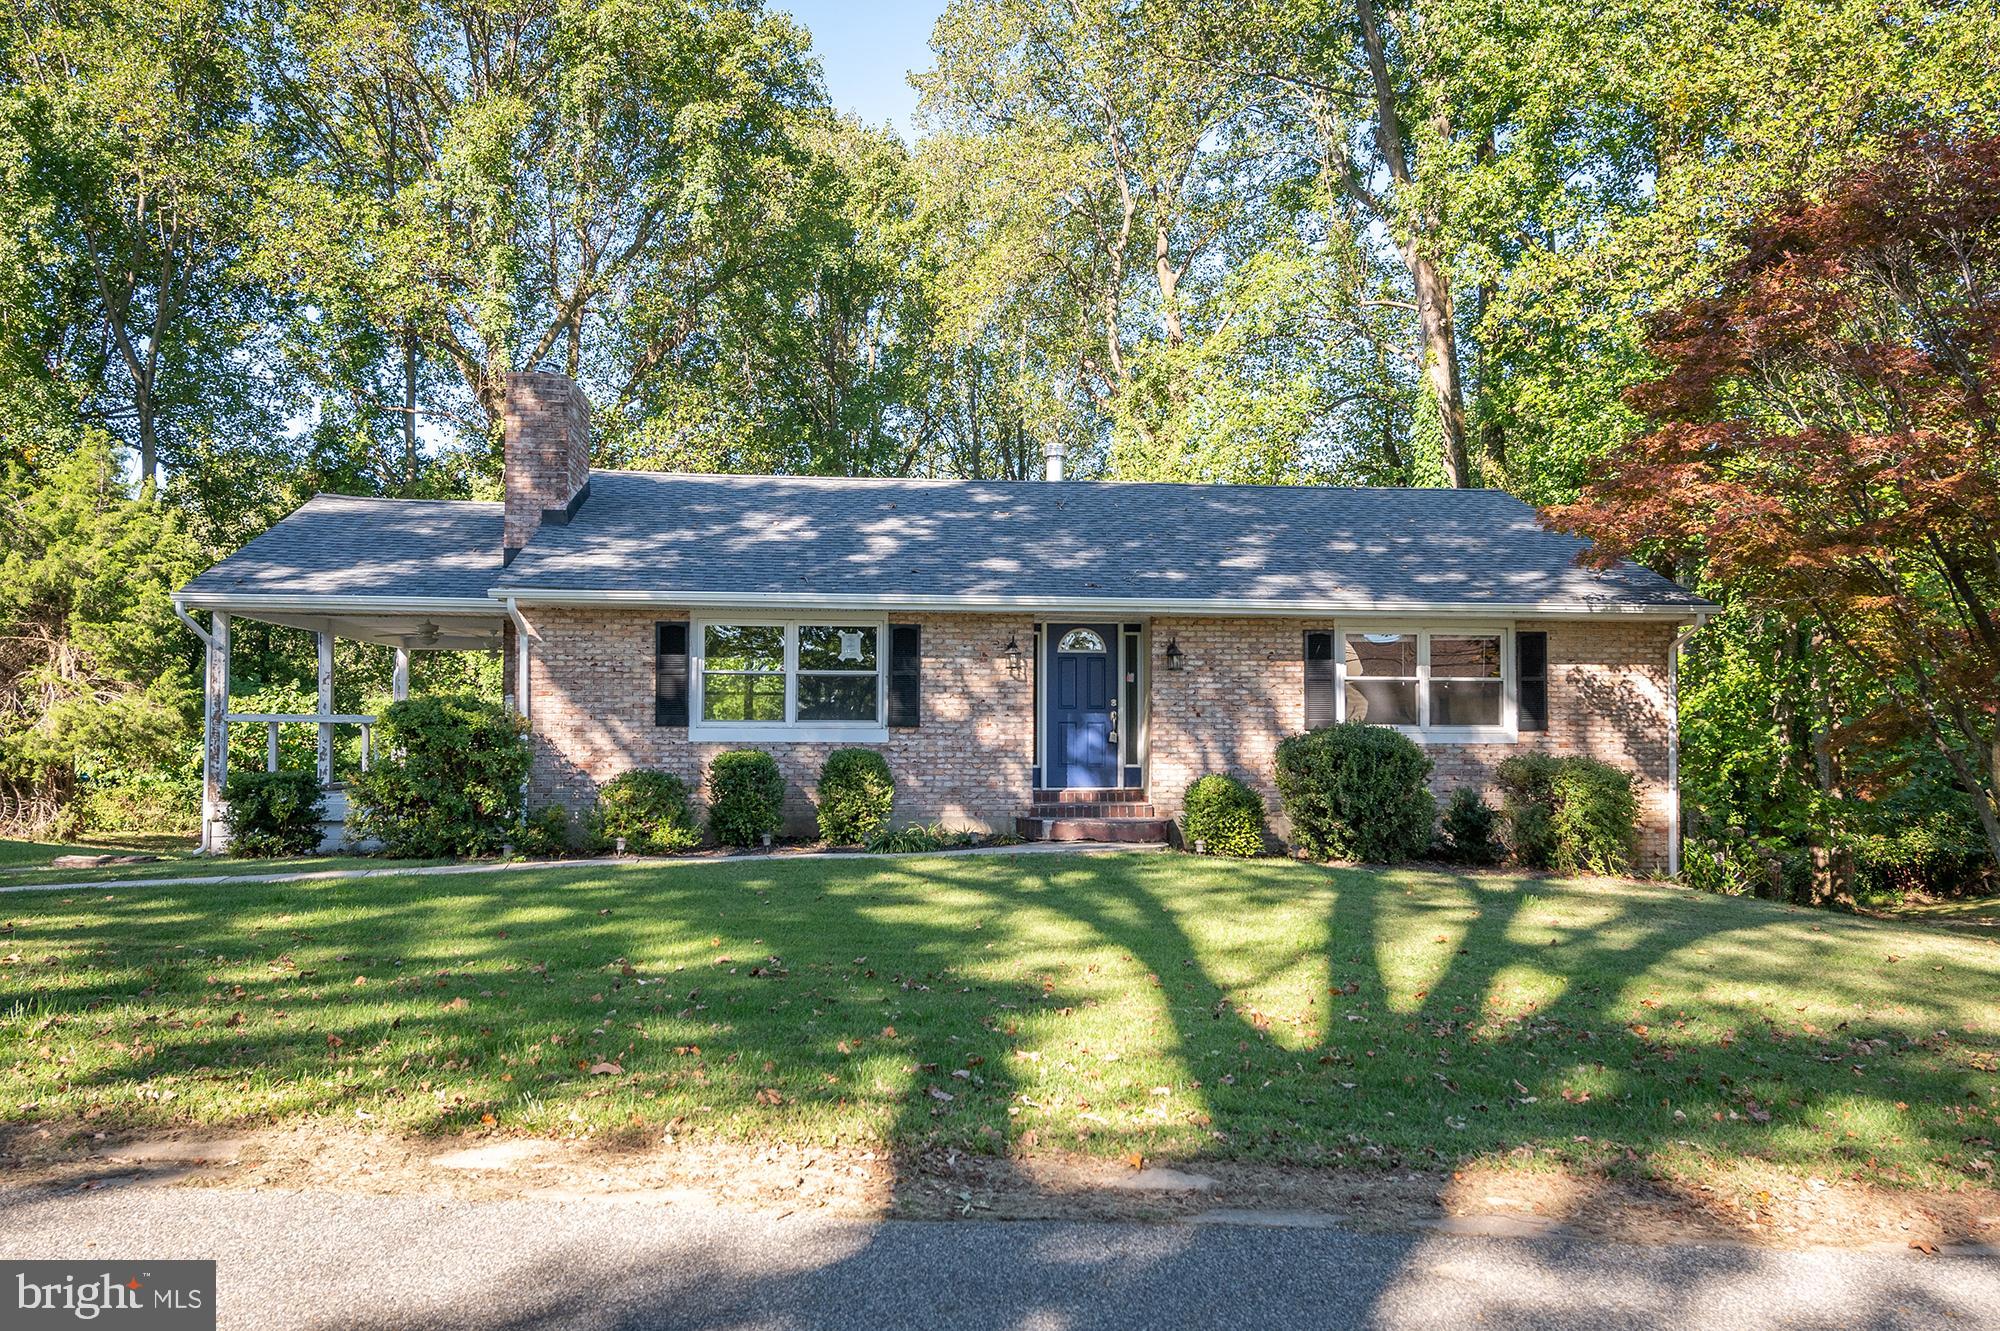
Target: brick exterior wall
(1243, 690)
(970, 763)
(548, 449)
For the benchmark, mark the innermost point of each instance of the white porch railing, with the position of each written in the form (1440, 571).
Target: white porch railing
(272, 720)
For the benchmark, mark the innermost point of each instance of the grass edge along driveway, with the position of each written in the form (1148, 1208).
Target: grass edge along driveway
(1183, 1008)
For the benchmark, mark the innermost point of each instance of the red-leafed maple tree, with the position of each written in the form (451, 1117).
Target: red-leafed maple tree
(1826, 440)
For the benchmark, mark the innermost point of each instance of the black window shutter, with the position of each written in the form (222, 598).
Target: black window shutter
(670, 674)
(1531, 680)
(1319, 680)
(906, 676)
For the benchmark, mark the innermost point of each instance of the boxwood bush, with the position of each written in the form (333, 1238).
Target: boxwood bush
(447, 778)
(856, 794)
(746, 797)
(1357, 792)
(649, 810)
(1225, 815)
(1466, 831)
(274, 813)
(1573, 815)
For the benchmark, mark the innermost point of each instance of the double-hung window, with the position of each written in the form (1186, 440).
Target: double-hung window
(818, 678)
(1444, 683)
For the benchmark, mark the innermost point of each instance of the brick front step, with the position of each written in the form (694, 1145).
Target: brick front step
(1109, 795)
(1141, 809)
(1136, 831)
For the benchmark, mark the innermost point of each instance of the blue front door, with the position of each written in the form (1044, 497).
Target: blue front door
(1083, 718)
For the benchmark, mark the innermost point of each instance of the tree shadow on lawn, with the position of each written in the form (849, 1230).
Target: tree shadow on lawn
(1169, 1007)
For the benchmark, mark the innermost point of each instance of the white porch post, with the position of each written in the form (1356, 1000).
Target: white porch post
(215, 732)
(399, 678)
(325, 709)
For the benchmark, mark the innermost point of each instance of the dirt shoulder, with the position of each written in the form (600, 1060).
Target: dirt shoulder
(1761, 1209)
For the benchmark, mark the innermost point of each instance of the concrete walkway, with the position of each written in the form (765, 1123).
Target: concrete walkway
(608, 862)
(308, 1261)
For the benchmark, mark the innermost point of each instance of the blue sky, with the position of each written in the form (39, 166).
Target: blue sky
(868, 51)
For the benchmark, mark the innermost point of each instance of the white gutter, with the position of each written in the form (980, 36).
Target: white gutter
(1674, 743)
(180, 613)
(521, 690)
(500, 598)
(1106, 605)
(334, 605)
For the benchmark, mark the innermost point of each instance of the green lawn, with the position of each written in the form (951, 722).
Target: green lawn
(25, 862)
(1974, 914)
(1145, 1002)
(29, 854)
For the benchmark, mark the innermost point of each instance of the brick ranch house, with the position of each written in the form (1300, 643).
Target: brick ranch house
(1062, 657)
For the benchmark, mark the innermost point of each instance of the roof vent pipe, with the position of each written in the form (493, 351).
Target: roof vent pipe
(1054, 454)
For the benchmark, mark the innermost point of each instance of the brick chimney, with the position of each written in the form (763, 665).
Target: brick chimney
(548, 454)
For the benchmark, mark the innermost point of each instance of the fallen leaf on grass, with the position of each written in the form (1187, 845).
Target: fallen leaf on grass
(767, 1096)
(605, 1069)
(457, 1005)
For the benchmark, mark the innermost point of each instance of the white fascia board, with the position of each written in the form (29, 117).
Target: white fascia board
(1100, 605)
(342, 605)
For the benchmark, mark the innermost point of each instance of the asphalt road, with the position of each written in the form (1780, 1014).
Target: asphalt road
(342, 1263)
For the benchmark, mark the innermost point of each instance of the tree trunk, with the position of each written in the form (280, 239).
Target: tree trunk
(149, 446)
(1433, 287)
(1441, 361)
(410, 408)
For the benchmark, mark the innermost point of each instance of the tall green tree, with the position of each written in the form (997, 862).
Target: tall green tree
(477, 187)
(131, 166)
(94, 670)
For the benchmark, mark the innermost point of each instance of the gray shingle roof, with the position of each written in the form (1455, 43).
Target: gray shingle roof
(643, 534)
(336, 546)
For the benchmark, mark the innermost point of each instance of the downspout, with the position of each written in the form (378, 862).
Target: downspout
(1674, 744)
(180, 613)
(521, 689)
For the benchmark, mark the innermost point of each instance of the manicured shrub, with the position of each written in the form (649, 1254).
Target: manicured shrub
(746, 797)
(447, 778)
(274, 813)
(1357, 792)
(545, 833)
(1466, 832)
(1573, 815)
(649, 810)
(1225, 816)
(856, 793)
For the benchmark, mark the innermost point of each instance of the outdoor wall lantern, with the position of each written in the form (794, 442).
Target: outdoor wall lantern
(1017, 665)
(1176, 658)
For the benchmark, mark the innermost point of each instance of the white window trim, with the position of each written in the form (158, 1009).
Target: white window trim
(1507, 732)
(790, 730)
